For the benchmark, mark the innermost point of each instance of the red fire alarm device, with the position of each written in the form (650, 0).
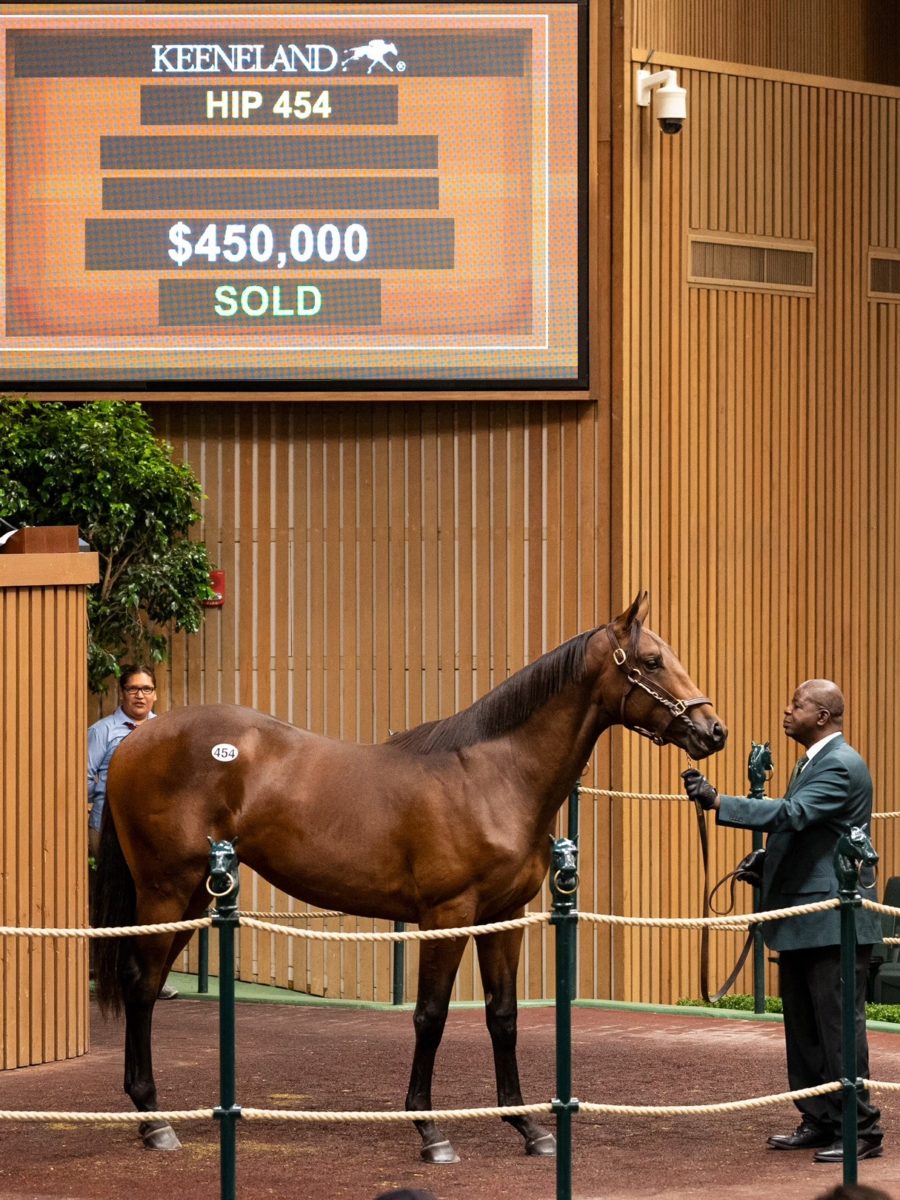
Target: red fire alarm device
(217, 583)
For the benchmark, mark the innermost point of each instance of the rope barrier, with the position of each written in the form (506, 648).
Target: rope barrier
(726, 1106)
(732, 923)
(117, 931)
(324, 912)
(590, 1108)
(775, 914)
(412, 935)
(228, 919)
(126, 1118)
(439, 1114)
(611, 794)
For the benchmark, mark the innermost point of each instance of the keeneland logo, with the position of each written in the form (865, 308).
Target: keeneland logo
(251, 58)
(375, 53)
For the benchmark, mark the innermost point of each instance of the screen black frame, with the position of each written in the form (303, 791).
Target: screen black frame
(580, 383)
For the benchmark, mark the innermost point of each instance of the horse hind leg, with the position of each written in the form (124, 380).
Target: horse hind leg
(438, 964)
(498, 960)
(148, 966)
(141, 981)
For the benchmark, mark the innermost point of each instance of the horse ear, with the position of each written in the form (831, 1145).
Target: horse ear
(637, 611)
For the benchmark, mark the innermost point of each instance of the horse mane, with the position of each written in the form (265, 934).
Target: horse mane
(507, 707)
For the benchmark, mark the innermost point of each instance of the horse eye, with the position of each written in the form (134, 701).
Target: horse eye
(653, 664)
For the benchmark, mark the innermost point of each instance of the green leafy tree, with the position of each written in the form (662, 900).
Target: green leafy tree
(101, 467)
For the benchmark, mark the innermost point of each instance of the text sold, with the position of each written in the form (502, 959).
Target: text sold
(255, 300)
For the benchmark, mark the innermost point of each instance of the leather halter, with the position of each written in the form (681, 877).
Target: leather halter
(676, 706)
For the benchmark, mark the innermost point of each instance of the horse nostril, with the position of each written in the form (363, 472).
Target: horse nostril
(720, 733)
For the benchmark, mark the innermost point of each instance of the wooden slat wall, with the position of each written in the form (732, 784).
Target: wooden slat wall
(43, 826)
(816, 37)
(759, 451)
(387, 564)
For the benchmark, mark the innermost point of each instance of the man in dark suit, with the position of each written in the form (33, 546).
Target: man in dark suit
(830, 791)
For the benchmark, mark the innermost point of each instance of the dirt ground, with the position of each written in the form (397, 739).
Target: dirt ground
(350, 1059)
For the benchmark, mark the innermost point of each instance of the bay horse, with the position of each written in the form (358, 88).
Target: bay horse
(445, 825)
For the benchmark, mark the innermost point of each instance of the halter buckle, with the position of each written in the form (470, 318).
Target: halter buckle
(679, 708)
(619, 656)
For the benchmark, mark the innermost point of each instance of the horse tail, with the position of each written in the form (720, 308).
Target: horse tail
(114, 903)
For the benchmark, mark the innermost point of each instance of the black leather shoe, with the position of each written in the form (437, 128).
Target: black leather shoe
(804, 1137)
(865, 1148)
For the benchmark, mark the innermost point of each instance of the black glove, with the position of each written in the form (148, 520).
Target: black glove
(699, 788)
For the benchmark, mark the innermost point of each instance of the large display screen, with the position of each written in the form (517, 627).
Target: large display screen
(389, 195)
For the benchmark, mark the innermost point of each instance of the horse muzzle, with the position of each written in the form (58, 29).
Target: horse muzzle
(700, 735)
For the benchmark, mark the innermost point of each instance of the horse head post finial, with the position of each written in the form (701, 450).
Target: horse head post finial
(223, 872)
(759, 768)
(853, 852)
(564, 873)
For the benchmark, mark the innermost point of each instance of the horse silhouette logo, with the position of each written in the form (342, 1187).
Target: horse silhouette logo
(376, 52)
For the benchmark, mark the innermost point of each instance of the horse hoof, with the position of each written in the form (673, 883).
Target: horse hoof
(541, 1147)
(159, 1137)
(439, 1152)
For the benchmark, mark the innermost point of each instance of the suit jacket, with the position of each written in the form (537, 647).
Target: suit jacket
(831, 794)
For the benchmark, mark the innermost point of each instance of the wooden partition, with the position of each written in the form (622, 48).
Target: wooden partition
(387, 564)
(758, 447)
(43, 807)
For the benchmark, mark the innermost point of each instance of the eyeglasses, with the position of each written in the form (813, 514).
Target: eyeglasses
(138, 691)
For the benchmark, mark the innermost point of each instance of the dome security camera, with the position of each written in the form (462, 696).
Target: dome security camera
(670, 101)
(671, 108)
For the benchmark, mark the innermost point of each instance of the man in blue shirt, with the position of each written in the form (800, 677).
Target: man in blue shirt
(137, 695)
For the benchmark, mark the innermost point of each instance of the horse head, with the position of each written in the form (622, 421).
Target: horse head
(642, 685)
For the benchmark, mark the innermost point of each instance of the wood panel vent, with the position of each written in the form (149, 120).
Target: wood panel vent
(751, 265)
(884, 277)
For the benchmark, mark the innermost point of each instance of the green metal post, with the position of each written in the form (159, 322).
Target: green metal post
(563, 884)
(759, 766)
(853, 850)
(574, 817)
(759, 946)
(573, 813)
(223, 885)
(398, 966)
(203, 962)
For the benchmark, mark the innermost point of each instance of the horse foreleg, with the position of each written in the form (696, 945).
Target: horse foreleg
(141, 981)
(438, 964)
(498, 960)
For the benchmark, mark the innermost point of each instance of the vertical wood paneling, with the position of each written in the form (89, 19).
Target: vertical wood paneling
(432, 550)
(759, 452)
(814, 37)
(43, 830)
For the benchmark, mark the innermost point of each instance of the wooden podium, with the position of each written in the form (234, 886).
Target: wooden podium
(43, 793)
